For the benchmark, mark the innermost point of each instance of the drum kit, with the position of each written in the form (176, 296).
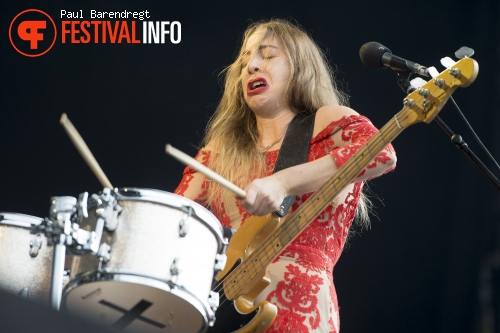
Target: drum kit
(133, 259)
(138, 260)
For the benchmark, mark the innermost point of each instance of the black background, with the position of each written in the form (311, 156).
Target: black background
(427, 263)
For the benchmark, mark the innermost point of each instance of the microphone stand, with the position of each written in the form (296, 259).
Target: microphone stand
(404, 83)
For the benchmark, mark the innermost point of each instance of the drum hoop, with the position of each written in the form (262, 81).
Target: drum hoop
(156, 196)
(201, 305)
(19, 220)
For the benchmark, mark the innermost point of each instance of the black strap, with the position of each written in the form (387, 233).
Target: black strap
(294, 150)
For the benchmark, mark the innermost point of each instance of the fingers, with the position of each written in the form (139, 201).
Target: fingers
(264, 196)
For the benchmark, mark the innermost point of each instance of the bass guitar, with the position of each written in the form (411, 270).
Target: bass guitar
(262, 238)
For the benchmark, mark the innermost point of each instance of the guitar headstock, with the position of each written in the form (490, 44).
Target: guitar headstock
(425, 103)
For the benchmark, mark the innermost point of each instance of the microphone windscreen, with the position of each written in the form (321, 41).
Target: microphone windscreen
(371, 54)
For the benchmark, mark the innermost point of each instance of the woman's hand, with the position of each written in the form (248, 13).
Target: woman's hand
(264, 195)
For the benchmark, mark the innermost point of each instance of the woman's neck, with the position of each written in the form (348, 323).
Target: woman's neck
(272, 129)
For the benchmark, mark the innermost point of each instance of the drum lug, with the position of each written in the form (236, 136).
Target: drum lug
(62, 208)
(104, 252)
(220, 262)
(213, 300)
(107, 209)
(175, 268)
(185, 222)
(58, 227)
(35, 246)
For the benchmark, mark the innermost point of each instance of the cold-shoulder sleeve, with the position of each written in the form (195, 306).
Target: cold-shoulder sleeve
(344, 137)
(193, 185)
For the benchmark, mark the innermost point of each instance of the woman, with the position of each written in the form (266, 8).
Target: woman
(278, 73)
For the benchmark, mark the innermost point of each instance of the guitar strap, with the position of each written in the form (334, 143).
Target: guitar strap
(294, 150)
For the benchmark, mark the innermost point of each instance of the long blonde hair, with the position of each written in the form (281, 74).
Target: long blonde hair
(232, 134)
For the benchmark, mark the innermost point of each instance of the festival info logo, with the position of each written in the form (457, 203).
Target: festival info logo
(32, 33)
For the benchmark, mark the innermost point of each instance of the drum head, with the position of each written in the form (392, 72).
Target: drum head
(135, 304)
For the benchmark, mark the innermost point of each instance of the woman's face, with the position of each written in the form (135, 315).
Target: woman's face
(265, 73)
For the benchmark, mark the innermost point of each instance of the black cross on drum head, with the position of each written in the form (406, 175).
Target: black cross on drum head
(133, 314)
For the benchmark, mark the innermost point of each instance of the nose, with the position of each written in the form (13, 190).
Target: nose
(254, 65)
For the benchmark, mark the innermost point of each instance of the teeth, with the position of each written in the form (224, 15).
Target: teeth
(257, 84)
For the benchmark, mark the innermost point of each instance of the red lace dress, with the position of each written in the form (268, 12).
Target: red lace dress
(302, 276)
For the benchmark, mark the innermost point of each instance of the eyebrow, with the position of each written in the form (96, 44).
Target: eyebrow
(266, 46)
(262, 47)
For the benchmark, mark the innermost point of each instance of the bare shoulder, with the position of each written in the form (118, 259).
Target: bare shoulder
(328, 113)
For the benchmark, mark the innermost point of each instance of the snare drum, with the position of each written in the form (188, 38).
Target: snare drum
(25, 259)
(162, 263)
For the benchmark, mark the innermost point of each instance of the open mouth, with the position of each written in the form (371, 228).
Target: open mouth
(256, 86)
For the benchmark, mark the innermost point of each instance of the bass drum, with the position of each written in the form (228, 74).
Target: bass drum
(162, 263)
(25, 260)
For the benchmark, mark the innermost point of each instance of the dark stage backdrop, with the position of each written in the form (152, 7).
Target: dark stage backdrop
(427, 263)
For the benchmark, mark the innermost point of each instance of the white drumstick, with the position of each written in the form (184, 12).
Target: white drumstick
(188, 160)
(84, 151)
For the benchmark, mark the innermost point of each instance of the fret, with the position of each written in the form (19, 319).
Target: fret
(266, 253)
(357, 165)
(283, 239)
(313, 203)
(367, 147)
(382, 135)
(295, 224)
(324, 195)
(289, 236)
(255, 264)
(397, 121)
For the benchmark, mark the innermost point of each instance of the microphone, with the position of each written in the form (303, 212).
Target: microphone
(376, 55)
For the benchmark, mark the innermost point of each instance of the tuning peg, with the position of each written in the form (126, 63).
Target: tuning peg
(417, 82)
(464, 52)
(448, 62)
(433, 72)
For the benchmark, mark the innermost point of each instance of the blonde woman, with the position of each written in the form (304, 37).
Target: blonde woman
(278, 73)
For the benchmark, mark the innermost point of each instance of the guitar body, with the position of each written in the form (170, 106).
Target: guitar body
(241, 315)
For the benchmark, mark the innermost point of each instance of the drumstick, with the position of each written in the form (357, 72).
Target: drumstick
(188, 160)
(84, 151)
